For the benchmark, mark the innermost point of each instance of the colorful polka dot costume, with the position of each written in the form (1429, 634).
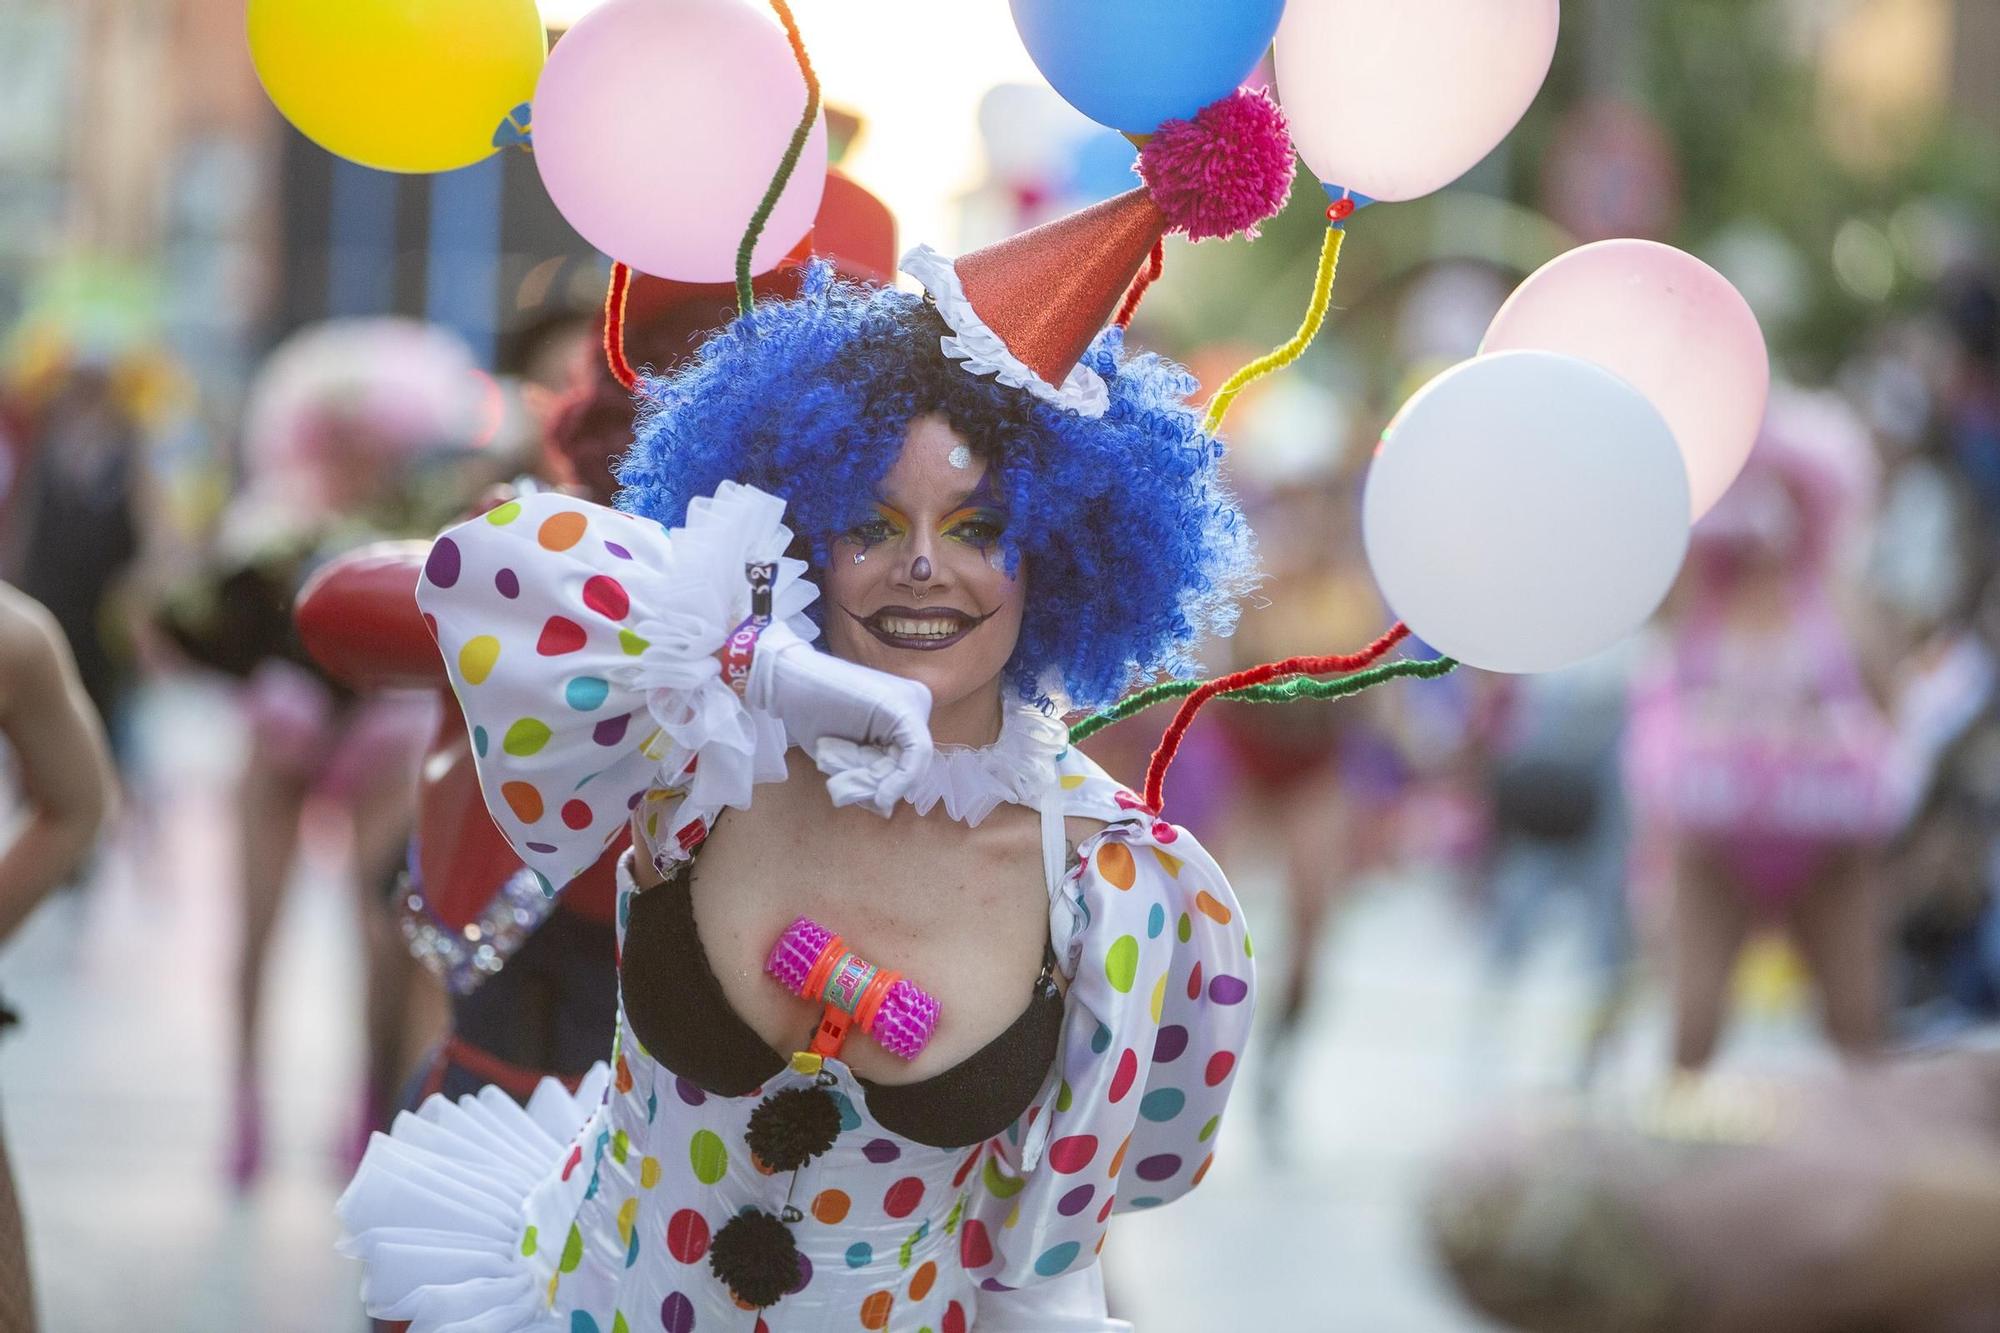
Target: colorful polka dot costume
(605, 1211)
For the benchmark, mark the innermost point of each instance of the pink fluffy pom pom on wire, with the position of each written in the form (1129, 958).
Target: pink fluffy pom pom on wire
(1224, 171)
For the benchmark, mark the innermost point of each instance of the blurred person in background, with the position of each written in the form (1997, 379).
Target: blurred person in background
(1945, 865)
(354, 430)
(1314, 780)
(1969, 395)
(77, 514)
(1762, 771)
(1936, 565)
(1549, 747)
(1928, 553)
(63, 772)
(550, 357)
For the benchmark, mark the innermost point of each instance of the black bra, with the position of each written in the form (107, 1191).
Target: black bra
(679, 1013)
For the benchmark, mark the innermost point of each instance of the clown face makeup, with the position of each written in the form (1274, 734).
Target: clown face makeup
(919, 588)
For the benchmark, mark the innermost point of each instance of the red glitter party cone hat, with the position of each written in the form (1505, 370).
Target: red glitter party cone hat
(1026, 309)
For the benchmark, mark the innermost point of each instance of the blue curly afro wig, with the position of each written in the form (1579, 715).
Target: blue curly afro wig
(1135, 548)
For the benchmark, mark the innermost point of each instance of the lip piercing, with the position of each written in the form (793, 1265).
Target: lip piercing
(921, 570)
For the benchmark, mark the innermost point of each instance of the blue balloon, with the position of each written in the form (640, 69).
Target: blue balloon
(1131, 64)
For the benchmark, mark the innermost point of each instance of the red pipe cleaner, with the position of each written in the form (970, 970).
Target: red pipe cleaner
(1163, 757)
(1147, 277)
(614, 326)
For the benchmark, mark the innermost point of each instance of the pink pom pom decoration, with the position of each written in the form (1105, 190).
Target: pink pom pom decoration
(792, 957)
(906, 1020)
(1224, 171)
(815, 964)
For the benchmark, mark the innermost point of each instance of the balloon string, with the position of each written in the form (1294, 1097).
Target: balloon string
(744, 297)
(614, 326)
(1170, 744)
(1329, 263)
(1147, 277)
(1298, 687)
(1305, 687)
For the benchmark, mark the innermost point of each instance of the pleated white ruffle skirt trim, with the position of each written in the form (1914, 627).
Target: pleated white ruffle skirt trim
(459, 1212)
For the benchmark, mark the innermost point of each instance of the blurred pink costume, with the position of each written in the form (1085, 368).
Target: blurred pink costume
(343, 417)
(373, 399)
(339, 744)
(1762, 744)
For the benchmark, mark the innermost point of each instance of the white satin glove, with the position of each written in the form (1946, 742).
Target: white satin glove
(867, 730)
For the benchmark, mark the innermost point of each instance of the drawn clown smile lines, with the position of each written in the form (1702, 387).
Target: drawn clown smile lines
(919, 631)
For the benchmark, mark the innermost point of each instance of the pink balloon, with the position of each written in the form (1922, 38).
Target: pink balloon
(658, 125)
(1393, 99)
(1667, 324)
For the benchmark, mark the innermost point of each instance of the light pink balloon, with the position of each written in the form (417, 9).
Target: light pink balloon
(1393, 99)
(658, 125)
(1667, 324)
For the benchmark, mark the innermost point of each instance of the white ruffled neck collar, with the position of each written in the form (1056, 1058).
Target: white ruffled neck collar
(1017, 769)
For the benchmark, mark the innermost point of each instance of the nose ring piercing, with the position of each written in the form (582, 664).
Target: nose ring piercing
(921, 570)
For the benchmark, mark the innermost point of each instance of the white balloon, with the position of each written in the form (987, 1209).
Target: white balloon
(1393, 99)
(1525, 510)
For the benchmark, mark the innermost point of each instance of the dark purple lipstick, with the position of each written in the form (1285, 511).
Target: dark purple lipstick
(921, 631)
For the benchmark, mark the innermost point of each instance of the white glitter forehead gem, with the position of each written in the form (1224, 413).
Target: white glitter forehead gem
(960, 457)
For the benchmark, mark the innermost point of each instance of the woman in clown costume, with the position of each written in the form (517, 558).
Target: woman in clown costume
(963, 515)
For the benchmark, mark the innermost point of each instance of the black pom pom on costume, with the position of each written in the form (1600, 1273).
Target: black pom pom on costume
(756, 1258)
(790, 1128)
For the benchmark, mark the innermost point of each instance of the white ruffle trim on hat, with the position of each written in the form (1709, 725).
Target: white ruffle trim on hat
(1017, 769)
(442, 1205)
(984, 352)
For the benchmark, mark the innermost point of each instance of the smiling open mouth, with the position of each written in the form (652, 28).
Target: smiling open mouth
(920, 631)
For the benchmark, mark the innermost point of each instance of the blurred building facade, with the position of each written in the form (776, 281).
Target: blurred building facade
(149, 193)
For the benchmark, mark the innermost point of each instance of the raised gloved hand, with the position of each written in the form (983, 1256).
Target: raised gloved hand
(868, 731)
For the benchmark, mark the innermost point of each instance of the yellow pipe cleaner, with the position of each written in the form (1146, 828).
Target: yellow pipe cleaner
(1329, 262)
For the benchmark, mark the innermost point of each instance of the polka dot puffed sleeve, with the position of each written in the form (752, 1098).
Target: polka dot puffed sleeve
(582, 641)
(1158, 1011)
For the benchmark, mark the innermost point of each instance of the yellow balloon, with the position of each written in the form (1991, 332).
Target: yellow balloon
(402, 85)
